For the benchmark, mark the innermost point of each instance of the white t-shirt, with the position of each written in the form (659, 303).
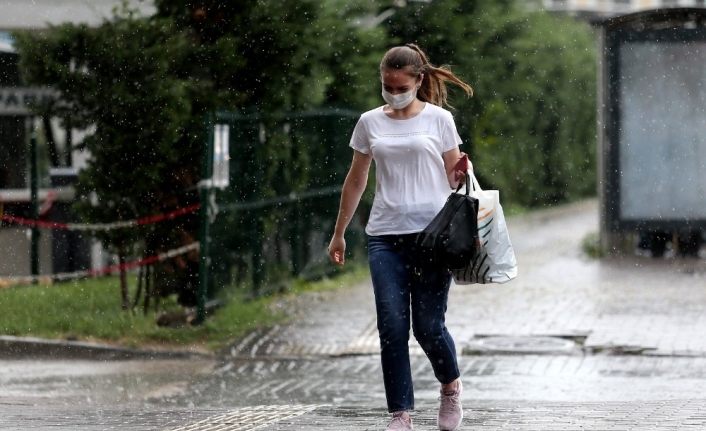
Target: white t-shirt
(411, 183)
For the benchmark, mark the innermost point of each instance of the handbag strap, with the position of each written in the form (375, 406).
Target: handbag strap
(468, 179)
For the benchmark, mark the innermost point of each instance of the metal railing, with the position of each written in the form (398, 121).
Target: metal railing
(273, 220)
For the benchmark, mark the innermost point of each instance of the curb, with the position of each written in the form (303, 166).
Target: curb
(40, 348)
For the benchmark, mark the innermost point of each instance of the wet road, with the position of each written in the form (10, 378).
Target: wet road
(573, 343)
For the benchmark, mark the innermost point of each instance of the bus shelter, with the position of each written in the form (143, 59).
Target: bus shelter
(652, 130)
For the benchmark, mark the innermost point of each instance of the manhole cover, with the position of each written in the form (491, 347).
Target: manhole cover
(519, 344)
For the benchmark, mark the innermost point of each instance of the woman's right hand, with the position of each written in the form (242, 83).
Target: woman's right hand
(337, 250)
(353, 188)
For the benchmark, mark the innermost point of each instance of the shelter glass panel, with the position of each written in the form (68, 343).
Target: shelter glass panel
(662, 138)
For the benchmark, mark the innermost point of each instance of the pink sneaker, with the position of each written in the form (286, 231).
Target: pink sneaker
(450, 410)
(400, 422)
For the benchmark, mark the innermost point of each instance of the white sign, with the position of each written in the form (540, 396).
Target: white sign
(221, 156)
(19, 100)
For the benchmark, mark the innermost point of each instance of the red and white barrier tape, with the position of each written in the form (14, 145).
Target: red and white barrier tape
(99, 226)
(15, 281)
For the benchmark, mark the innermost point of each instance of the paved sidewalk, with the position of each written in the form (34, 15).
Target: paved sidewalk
(634, 304)
(572, 344)
(481, 415)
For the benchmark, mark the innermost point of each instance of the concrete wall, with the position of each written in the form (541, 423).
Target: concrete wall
(14, 252)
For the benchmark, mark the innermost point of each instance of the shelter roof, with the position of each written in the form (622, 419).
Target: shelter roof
(652, 17)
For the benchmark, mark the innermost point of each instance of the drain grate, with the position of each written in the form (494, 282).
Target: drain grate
(250, 418)
(520, 345)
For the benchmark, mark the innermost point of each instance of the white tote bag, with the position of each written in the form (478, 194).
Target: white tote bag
(495, 262)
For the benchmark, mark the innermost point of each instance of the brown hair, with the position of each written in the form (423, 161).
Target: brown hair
(433, 87)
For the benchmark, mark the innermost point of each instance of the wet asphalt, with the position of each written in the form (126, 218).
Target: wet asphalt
(573, 343)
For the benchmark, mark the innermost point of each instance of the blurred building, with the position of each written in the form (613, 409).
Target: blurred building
(607, 8)
(59, 251)
(37, 14)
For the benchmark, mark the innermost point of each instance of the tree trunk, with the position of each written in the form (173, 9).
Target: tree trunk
(148, 288)
(123, 282)
(140, 276)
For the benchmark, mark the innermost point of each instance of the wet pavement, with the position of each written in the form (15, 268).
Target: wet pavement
(572, 344)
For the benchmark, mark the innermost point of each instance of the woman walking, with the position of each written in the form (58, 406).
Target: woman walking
(415, 145)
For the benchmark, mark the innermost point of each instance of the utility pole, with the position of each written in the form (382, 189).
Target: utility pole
(34, 199)
(204, 222)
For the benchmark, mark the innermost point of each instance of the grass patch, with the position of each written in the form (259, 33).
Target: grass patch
(90, 310)
(591, 245)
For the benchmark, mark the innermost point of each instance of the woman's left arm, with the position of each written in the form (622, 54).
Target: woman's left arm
(452, 157)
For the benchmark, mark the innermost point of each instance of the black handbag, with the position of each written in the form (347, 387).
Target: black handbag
(452, 236)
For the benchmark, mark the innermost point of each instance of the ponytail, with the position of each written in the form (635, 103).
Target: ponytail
(433, 86)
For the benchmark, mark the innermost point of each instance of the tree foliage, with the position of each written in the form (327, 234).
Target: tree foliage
(277, 55)
(122, 81)
(531, 122)
(143, 86)
(292, 56)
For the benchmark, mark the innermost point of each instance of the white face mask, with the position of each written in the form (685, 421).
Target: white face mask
(399, 101)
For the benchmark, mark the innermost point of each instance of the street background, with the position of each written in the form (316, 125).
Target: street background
(573, 343)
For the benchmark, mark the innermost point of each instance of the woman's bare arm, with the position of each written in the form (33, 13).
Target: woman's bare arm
(353, 188)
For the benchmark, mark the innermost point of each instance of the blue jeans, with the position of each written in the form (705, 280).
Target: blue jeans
(403, 276)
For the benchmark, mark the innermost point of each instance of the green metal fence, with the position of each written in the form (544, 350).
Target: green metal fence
(273, 221)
